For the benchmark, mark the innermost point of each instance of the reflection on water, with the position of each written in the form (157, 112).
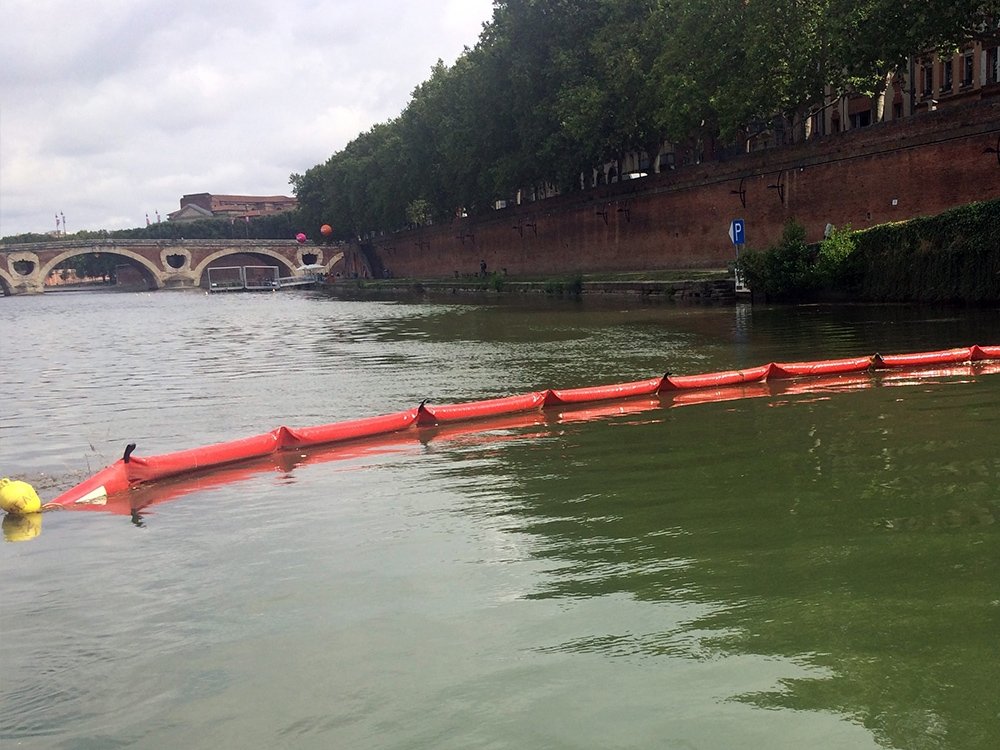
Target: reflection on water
(855, 535)
(21, 528)
(784, 569)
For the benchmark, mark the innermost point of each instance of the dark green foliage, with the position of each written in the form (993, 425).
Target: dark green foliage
(18, 239)
(93, 265)
(281, 226)
(952, 257)
(555, 88)
(784, 271)
(832, 265)
(570, 287)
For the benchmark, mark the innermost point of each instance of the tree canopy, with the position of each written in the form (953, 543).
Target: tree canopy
(554, 88)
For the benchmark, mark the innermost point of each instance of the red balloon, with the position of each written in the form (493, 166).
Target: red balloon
(326, 230)
(300, 238)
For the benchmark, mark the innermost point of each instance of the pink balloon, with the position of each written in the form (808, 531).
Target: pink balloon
(300, 237)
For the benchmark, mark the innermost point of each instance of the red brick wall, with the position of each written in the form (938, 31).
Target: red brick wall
(680, 219)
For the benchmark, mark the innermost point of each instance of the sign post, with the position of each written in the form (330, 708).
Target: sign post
(738, 236)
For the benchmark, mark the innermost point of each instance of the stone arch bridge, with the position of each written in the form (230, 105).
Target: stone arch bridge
(167, 263)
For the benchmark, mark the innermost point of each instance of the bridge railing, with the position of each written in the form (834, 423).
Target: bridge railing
(309, 278)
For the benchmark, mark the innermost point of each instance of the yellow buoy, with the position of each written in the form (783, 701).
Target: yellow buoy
(18, 498)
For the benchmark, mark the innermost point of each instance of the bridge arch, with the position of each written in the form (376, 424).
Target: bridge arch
(150, 273)
(199, 270)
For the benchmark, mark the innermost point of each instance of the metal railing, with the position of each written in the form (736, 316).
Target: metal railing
(254, 279)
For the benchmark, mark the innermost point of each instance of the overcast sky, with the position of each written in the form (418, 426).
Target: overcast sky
(112, 109)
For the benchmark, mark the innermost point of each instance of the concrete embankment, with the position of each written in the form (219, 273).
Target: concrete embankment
(706, 286)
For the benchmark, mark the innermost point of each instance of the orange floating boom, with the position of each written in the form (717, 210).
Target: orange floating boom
(131, 472)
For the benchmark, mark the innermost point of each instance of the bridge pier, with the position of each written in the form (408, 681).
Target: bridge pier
(22, 274)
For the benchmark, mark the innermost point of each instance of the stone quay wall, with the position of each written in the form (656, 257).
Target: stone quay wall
(916, 166)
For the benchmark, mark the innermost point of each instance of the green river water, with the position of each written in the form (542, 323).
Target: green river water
(813, 569)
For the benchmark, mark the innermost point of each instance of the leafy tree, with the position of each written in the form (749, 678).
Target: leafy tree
(607, 103)
(832, 262)
(554, 88)
(16, 239)
(702, 71)
(418, 212)
(728, 64)
(94, 265)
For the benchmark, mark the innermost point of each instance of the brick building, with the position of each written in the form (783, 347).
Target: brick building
(198, 206)
(928, 83)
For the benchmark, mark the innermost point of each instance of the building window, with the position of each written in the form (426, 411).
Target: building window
(967, 69)
(993, 65)
(947, 76)
(861, 119)
(928, 75)
(818, 124)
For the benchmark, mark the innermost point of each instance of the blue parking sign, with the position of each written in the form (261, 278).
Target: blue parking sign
(737, 232)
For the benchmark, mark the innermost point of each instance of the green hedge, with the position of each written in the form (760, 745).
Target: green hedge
(951, 257)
